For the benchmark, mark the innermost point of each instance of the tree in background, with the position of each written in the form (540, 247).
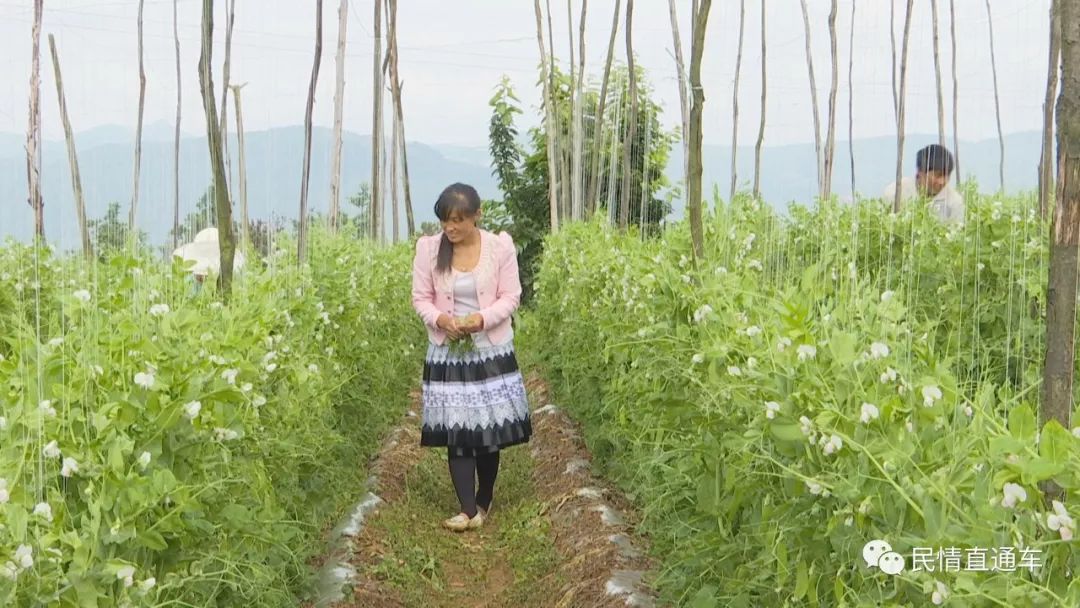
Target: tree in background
(522, 171)
(109, 234)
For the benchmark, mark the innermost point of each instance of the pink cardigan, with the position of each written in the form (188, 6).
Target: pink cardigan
(498, 287)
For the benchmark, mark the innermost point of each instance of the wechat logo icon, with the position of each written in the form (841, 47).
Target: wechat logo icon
(879, 554)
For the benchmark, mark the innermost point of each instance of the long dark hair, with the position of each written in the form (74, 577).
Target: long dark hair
(460, 197)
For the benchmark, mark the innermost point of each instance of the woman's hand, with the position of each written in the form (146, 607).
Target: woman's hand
(473, 323)
(449, 324)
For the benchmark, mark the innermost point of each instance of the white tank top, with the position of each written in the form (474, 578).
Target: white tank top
(467, 302)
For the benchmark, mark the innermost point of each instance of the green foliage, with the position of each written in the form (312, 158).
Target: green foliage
(109, 233)
(773, 408)
(523, 173)
(172, 503)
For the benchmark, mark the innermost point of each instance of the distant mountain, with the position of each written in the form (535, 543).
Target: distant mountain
(788, 173)
(274, 166)
(275, 157)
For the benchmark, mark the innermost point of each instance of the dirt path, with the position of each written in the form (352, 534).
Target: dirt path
(556, 537)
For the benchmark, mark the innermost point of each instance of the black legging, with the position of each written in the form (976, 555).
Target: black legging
(464, 470)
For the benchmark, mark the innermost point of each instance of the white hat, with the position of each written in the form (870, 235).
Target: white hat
(204, 251)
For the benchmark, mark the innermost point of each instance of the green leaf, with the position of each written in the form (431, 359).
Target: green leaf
(802, 580)
(704, 598)
(1022, 422)
(153, 540)
(843, 348)
(1055, 442)
(1039, 469)
(787, 431)
(782, 569)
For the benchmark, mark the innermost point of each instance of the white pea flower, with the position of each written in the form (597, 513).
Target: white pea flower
(930, 395)
(879, 350)
(782, 344)
(144, 380)
(1061, 522)
(940, 594)
(771, 407)
(980, 266)
(1075, 431)
(223, 434)
(4, 494)
(258, 401)
(147, 584)
(869, 412)
(817, 489)
(697, 358)
(229, 375)
(806, 351)
(968, 411)
(82, 295)
(702, 312)
(46, 408)
(144, 459)
(832, 445)
(217, 359)
(247, 387)
(98, 370)
(126, 574)
(721, 270)
(806, 426)
(158, 310)
(268, 356)
(56, 342)
(24, 555)
(734, 370)
(887, 295)
(51, 450)
(3, 423)
(192, 409)
(313, 368)
(751, 362)
(271, 367)
(70, 466)
(44, 511)
(1012, 493)
(754, 264)
(9, 571)
(753, 330)
(642, 332)
(206, 337)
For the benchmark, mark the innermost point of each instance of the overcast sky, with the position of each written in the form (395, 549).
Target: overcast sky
(454, 52)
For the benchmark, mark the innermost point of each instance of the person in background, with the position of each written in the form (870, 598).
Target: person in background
(933, 173)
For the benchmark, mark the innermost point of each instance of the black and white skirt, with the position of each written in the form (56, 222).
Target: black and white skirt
(474, 402)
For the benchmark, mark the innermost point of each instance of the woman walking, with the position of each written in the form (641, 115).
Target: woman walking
(465, 287)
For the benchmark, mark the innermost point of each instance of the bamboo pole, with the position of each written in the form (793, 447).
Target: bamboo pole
(549, 122)
(339, 103)
(176, 135)
(594, 182)
(900, 110)
(302, 245)
(33, 130)
(1046, 162)
(735, 103)
(73, 161)
(997, 101)
(761, 123)
(813, 99)
(138, 128)
(624, 201)
(697, 48)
